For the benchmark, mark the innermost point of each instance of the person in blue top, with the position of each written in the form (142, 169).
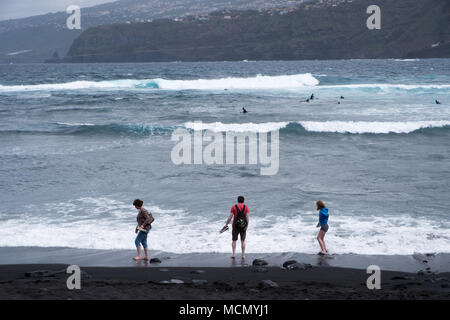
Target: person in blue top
(323, 224)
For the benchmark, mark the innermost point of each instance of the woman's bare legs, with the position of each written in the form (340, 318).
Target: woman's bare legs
(320, 238)
(139, 256)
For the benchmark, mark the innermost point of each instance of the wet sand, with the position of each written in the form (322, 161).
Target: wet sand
(436, 263)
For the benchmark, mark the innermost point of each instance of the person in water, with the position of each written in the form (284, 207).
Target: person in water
(239, 213)
(323, 224)
(312, 97)
(437, 102)
(144, 220)
(243, 110)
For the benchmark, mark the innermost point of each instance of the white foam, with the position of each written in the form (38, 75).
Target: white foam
(55, 148)
(75, 124)
(236, 127)
(354, 127)
(359, 127)
(105, 223)
(74, 85)
(18, 52)
(258, 82)
(407, 60)
(386, 86)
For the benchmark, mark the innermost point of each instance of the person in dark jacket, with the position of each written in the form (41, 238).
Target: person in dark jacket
(144, 220)
(323, 224)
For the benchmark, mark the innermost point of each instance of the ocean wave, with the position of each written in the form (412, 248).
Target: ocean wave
(113, 129)
(296, 128)
(139, 130)
(406, 60)
(258, 82)
(387, 86)
(74, 224)
(236, 127)
(371, 127)
(344, 127)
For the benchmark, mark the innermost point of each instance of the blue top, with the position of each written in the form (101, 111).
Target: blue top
(323, 216)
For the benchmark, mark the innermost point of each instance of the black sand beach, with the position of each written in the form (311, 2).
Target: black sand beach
(40, 273)
(48, 281)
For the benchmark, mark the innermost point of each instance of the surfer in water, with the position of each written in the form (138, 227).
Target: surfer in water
(437, 102)
(309, 99)
(243, 110)
(323, 224)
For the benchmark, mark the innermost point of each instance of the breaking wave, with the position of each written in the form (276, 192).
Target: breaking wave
(76, 225)
(257, 82)
(349, 127)
(298, 127)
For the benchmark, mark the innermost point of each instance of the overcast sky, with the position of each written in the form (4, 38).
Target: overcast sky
(12, 9)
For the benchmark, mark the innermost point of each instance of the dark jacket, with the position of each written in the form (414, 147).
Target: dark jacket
(144, 218)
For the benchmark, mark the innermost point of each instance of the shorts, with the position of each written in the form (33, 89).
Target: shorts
(235, 232)
(141, 238)
(324, 227)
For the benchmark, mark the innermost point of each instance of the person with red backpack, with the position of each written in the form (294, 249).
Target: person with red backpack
(239, 213)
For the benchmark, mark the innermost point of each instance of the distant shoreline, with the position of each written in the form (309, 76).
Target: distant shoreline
(225, 61)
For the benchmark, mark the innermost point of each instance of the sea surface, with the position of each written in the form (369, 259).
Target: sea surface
(79, 142)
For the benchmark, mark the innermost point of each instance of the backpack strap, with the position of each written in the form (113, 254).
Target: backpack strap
(237, 209)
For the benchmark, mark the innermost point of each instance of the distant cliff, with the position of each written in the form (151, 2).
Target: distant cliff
(331, 30)
(34, 39)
